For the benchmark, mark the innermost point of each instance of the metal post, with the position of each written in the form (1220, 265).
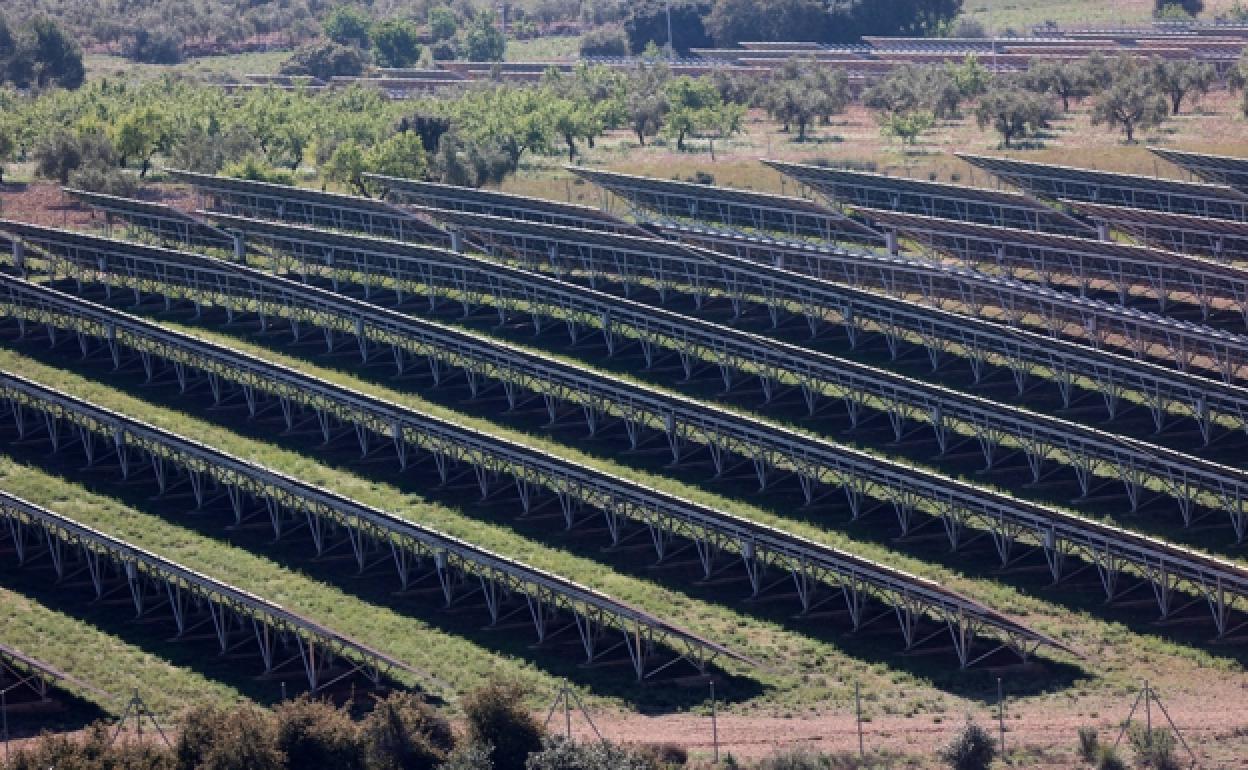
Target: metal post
(714, 724)
(862, 750)
(1001, 713)
(240, 247)
(19, 256)
(1148, 712)
(567, 712)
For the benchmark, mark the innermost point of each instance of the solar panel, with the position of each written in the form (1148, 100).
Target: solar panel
(1055, 182)
(187, 588)
(22, 672)
(1217, 169)
(264, 200)
(1127, 269)
(951, 201)
(165, 222)
(743, 210)
(1221, 239)
(494, 203)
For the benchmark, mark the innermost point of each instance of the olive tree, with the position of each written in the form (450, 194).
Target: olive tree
(1131, 102)
(1013, 112)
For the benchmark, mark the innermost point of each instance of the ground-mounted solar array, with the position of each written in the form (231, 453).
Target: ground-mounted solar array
(979, 367)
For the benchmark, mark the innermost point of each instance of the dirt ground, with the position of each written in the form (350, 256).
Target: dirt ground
(1039, 734)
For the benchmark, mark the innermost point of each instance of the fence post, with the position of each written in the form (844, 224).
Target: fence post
(862, 751)
(1001, 714)
(714, 723)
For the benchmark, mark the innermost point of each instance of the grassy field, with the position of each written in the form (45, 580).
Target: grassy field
(1003, 16)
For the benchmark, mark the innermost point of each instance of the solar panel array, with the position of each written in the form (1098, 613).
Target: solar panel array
(1028, 259)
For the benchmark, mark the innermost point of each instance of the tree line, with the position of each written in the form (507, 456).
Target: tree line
(38, 53)
(108, 135)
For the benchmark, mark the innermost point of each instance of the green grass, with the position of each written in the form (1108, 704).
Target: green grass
(1021, 15)
(101, 658)
(543, 48)
(234, 66)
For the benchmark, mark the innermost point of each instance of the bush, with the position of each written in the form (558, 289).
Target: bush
(109, 181)
(255, 169)
(1089, 744)
(159, 46)
(972, 749)
(443, 50)
(396, 43)
(313, 733)
(483, 40)
(609, 40)
(92, 750)
(1178, 10)
(347, 25)
(561, 754)
(403, 732)
(496, 715)
(241, 739)
(442, 23)
(1107, 759)
(966, 27)
(469, 756)
(1153, 749)
(324, 60)
(58, 155)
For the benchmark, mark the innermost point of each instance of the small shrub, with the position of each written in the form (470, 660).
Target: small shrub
(254, 169)
(1089, 744)
(561, 754)
(1153, 749)
(666, 754)
(1107, 759)
(470, 756)
(972, 749)
(104, 180)
(496, 716)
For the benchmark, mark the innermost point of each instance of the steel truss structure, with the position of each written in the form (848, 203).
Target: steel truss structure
(460, 570)
(457, 198)
(1016, 527)
(1124, 270)
(165, 222)
(25, 679)
(822, 576)
(238, 621)
(311, 207)
(1224, 240)
(811, 286)
(1215, 169)
(740, 210)
(933, 199)
(1055, 182)
(954, 417)
(413, 270)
